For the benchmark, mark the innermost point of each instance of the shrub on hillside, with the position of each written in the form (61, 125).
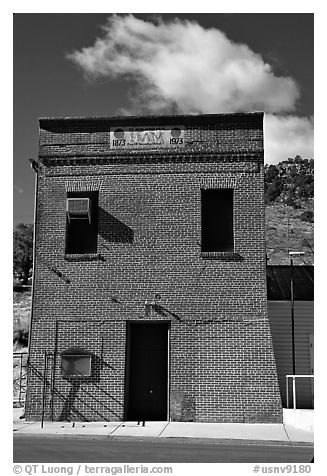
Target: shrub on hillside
(20, 334)
(23, 252)
(307, 216)
(273, 190)
(290, 182)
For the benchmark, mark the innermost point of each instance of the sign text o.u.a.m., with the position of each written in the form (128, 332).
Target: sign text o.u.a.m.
(146, 137)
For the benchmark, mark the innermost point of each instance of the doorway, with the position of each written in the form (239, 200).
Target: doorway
(146, 396)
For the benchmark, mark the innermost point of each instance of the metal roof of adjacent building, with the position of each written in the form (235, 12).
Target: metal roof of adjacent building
(279, 283)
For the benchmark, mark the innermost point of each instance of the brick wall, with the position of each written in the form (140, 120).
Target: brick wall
(222, 367)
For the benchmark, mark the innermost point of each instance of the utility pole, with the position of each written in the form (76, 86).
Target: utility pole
(292, 254)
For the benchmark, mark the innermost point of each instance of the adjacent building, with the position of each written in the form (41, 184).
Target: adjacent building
(280, 318)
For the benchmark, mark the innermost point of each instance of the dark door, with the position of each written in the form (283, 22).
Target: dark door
(147, 371)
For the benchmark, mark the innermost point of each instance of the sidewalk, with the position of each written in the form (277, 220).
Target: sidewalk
(246, 432)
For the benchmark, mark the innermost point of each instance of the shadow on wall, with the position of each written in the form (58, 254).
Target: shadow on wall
(79, 403)
(66, 410)
(113, 230)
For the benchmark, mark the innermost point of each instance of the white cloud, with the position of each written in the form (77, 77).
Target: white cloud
(181, 67)
(182, 64)
(287, 136)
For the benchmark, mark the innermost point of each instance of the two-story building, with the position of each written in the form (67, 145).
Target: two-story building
(149, 290)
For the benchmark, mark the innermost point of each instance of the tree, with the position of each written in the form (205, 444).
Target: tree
(23, 251)
(271, 173)
(307, 216)
(273, 190)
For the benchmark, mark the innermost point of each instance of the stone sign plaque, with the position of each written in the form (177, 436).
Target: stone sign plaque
(147, 137)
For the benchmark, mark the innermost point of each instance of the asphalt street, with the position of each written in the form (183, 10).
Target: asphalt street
(66, 449)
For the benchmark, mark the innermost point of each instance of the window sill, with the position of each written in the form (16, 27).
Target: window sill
(222, 255)
(78, 378)
(83, 257)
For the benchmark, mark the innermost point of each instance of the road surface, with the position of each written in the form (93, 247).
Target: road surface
(67, 449)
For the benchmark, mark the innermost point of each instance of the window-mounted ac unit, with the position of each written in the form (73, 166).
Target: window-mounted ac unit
(78, 208)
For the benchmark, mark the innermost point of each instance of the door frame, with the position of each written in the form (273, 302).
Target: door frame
(129, 324)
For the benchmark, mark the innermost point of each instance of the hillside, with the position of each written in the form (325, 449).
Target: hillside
(290, 182)
(22, 301)
(289, 191)
(285, 231)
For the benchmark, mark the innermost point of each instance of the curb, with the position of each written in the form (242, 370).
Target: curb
(221, 441)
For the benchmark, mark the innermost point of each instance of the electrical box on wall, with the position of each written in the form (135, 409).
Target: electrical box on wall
(76, 362)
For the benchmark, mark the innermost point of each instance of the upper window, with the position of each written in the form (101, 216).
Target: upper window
(217, 220)
(81, 222)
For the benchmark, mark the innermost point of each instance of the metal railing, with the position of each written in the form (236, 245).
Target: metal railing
(294, 377)
(19, 380)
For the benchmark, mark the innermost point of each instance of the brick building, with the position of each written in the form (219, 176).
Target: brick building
(149, 291)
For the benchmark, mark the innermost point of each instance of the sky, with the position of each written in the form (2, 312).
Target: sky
(106, 65)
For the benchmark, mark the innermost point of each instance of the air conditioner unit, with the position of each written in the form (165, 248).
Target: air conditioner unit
(78, 208)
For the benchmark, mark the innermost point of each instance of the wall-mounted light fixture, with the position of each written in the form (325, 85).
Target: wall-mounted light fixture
(151, 304)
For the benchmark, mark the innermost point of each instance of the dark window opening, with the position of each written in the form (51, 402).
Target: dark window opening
(82, 222)
(217, 220)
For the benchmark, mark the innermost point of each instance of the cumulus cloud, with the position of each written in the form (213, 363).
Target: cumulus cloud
(287, 136)
(181, 67)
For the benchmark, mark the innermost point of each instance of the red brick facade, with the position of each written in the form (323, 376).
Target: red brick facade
(221, 361)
